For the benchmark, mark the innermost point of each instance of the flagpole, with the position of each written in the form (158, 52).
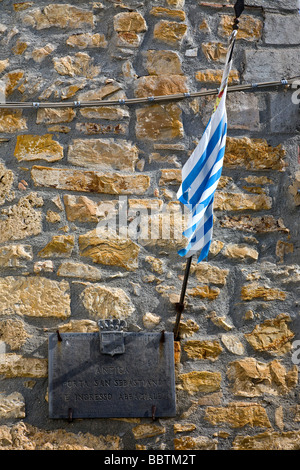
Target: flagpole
(180, 305)
(238, 8)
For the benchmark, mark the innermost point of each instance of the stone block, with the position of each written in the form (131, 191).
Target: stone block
(35, 147)
(12, 406)
(34, 297)
(252, 378)
(89, 181)
(250, 28)
(200, 381)
(22, 219)
(274, 24)
(158, 85)
(159, 122)
(109, 249)
(270, 64)
(163, 62)
(59, 16)
(169, 32)
(12, 121)
(103, 154)
(103, 302)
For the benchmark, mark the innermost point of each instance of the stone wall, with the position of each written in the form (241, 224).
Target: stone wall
(236, 369)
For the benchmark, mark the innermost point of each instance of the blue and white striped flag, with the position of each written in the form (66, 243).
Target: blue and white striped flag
(202, 171)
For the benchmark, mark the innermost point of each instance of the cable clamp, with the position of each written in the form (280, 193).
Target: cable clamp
(77, 104)
(187, 94)
(284, 81)
(122, 101)
(36, 105)
(150, 98)
(254, 85)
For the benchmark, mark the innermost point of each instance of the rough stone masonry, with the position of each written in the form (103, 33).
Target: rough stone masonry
(67, 174)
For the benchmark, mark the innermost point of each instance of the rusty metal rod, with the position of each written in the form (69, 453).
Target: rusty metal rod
(180, 305)
(147, 100)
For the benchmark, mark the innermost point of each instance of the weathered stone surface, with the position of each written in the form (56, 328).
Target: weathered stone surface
(169, 32)
(40, 53)
(233, 344)
(110, 113)
(26, 437)
(207, 273)
(195, 443)
(204, 292)
(36, 147)
(221, 321)
(186, 427)
(12, 80)
(103, 154)
(12, 406)
(78, 65)
(55, 115)
(241, 201)
(170, 176)
(13, 333)
(200, 381)
(168, 13)
(240, 252)
(163, 229)
(4, 64)
(58, 15)
(272, 336)
(163, 63)
(294, 189)
(14, 365)
(12, 121)
(159, 122)
(130, 22)
(269, 440)
(79, 326)
(257, 291)
(21, 220)
(197, 349)
(215, 51)
(288, 23)
(159, 85)
(251, 378)
(151, 320)
(215, 76)
(53, 217)
(260, 224)
(250, 28)
(104, 302)
(13, 256)
(262, 64)
(89, 181)
(238, 415)
(34, 297)
(143, 431)
(253, 154)
(85, 40)
(84, 209)
(58, 246)
(6, 183)
(79, 270)
(110, 249)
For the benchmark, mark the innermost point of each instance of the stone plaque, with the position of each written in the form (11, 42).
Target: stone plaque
(111, 374)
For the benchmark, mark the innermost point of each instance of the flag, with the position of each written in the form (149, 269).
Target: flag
(202, 171)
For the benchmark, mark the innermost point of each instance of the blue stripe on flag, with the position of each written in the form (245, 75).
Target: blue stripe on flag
(186, 183)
